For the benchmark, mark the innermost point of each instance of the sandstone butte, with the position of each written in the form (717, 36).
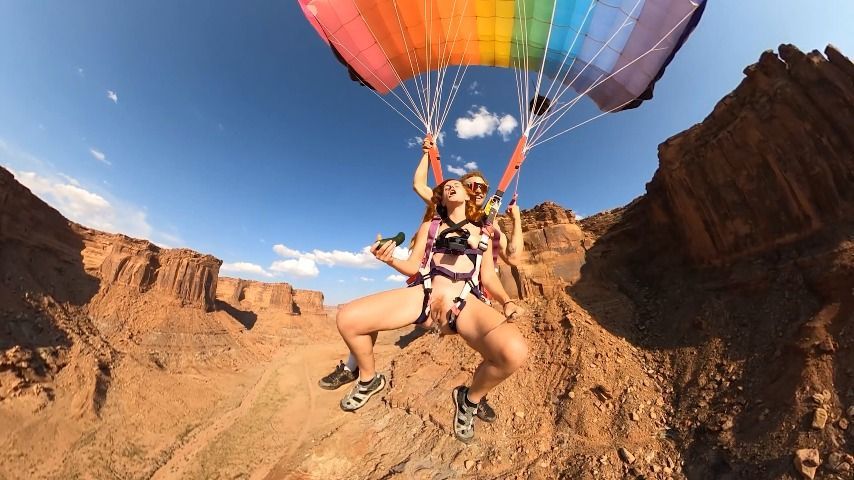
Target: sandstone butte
(694, 333)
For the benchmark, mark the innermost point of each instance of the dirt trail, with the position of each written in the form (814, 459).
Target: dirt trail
(275, 424)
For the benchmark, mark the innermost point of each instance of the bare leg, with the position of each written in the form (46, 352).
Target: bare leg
(351, 362)
(360, 320)
(501, 345)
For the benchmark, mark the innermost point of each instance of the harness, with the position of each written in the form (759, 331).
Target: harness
(456, 245)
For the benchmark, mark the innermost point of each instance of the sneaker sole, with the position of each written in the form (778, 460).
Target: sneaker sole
(454, 422)
(488, 419)
(370, 395)
(329, 386)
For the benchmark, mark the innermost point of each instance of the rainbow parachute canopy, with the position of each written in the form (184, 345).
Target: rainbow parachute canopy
(613, 51)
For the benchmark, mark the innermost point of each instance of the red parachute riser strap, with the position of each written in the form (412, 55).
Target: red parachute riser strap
(514, 164)
(435, 160)
(494, 204)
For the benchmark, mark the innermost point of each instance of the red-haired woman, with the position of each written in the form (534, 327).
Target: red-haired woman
(453, 260)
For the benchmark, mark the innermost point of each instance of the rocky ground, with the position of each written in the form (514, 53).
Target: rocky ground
(703, 331)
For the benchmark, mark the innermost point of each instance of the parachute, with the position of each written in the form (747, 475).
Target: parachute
(611, 51)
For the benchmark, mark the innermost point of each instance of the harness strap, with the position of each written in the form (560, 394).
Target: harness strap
(431, 239)
(455, 276)
(468, 251)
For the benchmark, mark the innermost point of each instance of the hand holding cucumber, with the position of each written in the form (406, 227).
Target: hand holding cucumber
(383, 248)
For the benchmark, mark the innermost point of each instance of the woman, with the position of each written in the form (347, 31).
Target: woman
(511, 248)
(452, 257)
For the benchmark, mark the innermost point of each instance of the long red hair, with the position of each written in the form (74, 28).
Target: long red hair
(473, 212)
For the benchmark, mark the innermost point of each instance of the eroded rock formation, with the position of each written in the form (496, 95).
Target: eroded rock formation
(553, 256)
(269, 296)
(772, 163)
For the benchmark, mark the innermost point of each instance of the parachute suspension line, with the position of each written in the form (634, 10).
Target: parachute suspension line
(519, 76)
(540, 142)
(457, 81)
(516, 188)
(443, 64)
(526, 58)
(542, 69)
(455, 91)
(333, 39)
(554, 81)
(419, 88)
(563, 90)
(388, 59)
(561, 111)
(655, 48)
(427, 55)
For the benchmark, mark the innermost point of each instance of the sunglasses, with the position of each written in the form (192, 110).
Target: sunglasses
(477, 187)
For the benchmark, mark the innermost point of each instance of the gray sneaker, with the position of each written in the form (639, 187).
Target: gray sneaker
(340, 376)
(463, 416)
(360, 394)
(485, 411)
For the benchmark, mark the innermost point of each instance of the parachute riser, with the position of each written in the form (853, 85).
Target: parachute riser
(513, 165)
(435, 159)
(494, 204)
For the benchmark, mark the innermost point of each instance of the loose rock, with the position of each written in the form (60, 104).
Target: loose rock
(819, 419)
(807, 460)
(626, 455)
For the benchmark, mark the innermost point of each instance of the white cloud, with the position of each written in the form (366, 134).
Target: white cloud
(456, 170)
(298, 267)
(336, 258)
(413, 142)
(465, 168)
(100, 211)
(401, 253)
(242, 268)
(395, 278)
(91, 209)
(112, 96)
(474, 88)
(99, 156)
(482, 123)
(305, 263)
(365, 279)
(71, 180)
(286, 252)
(506, 126)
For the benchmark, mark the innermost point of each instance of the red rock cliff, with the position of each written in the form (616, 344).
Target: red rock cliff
(773, 162)
(553, 256)
(269, 296)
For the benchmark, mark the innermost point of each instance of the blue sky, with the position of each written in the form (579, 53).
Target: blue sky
(228, 128)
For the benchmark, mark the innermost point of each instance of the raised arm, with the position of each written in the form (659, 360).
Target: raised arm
(512, 247)
(490, 280)
(419, 180)
(410, 266)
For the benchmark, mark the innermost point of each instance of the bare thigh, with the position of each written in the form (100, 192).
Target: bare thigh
(382, 311)
(486, 330)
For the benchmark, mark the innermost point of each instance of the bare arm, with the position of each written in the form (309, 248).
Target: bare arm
(511, 247)
(419, 180)
(516, 241)
(490, 280)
